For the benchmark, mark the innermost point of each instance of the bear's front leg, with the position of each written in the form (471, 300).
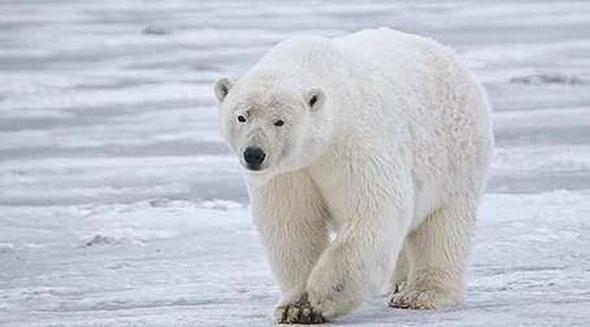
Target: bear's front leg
(355, 265)
(289, 214)
(375, 220)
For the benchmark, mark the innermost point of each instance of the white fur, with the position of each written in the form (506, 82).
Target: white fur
(394, 157)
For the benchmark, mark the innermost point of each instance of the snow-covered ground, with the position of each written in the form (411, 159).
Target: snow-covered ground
(119, 204)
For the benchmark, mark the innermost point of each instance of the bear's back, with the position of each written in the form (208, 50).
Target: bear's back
(301, 52)
(387, 50)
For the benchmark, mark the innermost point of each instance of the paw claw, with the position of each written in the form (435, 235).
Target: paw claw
(422, 300)
(300, 312)
(399, 302)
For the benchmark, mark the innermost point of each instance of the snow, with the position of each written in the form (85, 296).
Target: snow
(120, 206)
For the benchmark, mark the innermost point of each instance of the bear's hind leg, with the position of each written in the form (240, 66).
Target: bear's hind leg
(438, 249)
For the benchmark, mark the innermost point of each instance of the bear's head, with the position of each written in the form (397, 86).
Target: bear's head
(273, 127)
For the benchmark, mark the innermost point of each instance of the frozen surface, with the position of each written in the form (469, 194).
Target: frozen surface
(119, 204)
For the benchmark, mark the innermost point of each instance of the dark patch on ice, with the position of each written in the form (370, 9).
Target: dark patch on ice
(118, 266)
(519, 96)
(159, 203)
(538, 79)
(540, 182)
(101, 240)
(523, 136)
(6, 247)
(115, 84)
(155, 30)
(180, 148)
(127, 304)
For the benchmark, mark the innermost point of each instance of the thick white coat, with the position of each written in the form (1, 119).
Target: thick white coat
(394, 162)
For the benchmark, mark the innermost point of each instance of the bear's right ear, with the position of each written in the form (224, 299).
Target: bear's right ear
(222, 87)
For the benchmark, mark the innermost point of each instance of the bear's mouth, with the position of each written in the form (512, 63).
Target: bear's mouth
(254, 167)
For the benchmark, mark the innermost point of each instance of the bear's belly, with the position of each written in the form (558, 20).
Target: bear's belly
(427, 198)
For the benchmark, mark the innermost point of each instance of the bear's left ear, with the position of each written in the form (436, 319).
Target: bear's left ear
(315, 99)
(222, 87)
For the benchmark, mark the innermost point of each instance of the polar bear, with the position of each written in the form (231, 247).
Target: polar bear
(361, 151)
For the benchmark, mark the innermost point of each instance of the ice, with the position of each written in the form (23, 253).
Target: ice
(172, 262)
(120, 205)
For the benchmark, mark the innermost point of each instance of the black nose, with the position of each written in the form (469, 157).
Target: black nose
(254, 156)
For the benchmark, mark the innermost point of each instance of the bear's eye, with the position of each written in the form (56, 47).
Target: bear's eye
(313, 100)
(279, 123)
(241, 119)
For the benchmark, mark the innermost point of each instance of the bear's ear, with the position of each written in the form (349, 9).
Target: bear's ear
(315, 99)
(222, 87)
